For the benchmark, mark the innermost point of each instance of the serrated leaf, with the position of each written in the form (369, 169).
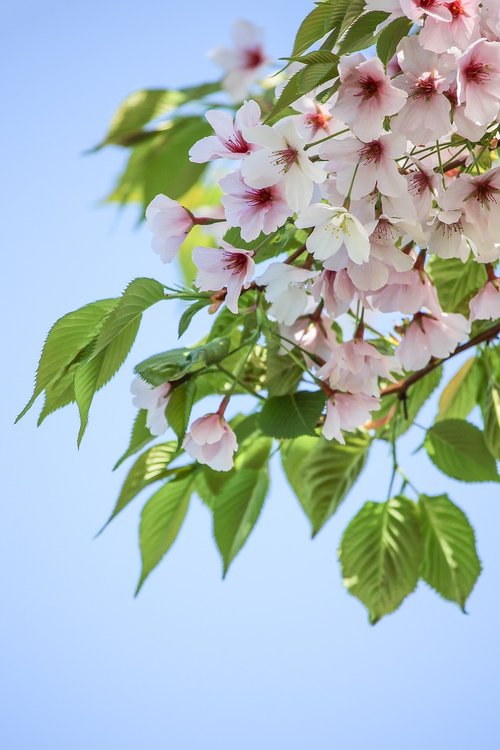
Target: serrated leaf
(292, 415)
(450, 563)
(58, 394)
(139, 437)
(176, 363)
(361, 34)
(188, 315)
(491, 417)
(236, 511)
(66, 339)
(380, 553)
(390, 37)
(353, 11)
(317, 56)
(458, 449)
(322, 472)
(315, 74)
(151, 466)
(161, 520)
(456, 282)
(179, 408)
(461, 394)
(314, 26)
(282, 373)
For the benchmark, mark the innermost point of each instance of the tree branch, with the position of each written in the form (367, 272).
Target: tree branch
(402, 386)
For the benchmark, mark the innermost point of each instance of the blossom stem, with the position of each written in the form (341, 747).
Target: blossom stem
(295, 255)
(327, 138)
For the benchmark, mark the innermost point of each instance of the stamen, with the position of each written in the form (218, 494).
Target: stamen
(285, 159)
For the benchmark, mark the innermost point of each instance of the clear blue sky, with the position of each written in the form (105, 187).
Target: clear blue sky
(278, 655)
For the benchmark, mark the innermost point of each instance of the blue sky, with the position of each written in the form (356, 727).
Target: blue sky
(277, 655)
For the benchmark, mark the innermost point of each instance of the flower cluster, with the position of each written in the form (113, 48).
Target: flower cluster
(380, 177)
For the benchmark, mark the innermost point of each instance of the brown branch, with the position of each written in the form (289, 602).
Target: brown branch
(402, 386)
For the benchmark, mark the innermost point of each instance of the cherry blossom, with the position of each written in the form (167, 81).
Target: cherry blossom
(245, 62)
(316, 120)
(416, 9)
(154, 400)
(211, 441)
(425, 77)
(440, 34)
(431, 336)
(254, 210)
(336, 290)
(362, 167)
(347, 411)
(422, 185)
(282, 159)
(355, 366)
(228, 141)
(229, 267)
(478, 81)
(479, 197)
(485, 305)
(406, 292)
(333, 228)
(366, 96)
(170, 224)
(286, 290)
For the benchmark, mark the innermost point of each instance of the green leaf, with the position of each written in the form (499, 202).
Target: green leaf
(188, 315)
(179, 408)
(380, 553)
(450, 562)
(151, 466)
(67, 338)
(322, 472)
(139, 437)
(176, 363)
(350, 14)
(59, 393)
(491, 417)
(161, 520)
(144, 105)
(292, 415)
(314, 26)
(456, 282)
(282, 374)
(317, 73)
(236, 511)
(139, 295)
(390, 37)
(94, 373)
(458, 449)
(361, 34)
(317, 56)
(461, 394)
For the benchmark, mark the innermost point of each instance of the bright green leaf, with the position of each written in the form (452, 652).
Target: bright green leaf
(450, 562)
(292, 415)
(458, 449)
(491, 418)
(461, 394)
(361, 34)
(179, 408)
(456, 282)
(380, 553)
(139, 437)
(390, 37)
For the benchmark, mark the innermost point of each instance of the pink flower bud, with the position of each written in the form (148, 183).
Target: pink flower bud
(211, 441)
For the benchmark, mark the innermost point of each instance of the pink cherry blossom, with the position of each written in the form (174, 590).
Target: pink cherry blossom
(355, 366)
(336, 290)
(422, 185)
(154, 400)
(479, 196)
(211, 441)
(316, 337)
(425, 76)
(254, 210)
(478, 81)
(229, 267)
(170, 224)
(438, 35)
(406, 292)
(245, 62)
(366, 96)
(316, 120)
(334, 228)
(282, 159)
(228, 141)
(286, 290)
(431, 336)
(485, 305)
(415, 9)
(347, 411)
(371, 165)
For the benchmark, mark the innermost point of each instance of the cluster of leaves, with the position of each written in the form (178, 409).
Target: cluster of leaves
(388, 546)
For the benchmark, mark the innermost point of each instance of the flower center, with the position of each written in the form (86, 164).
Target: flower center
(318, 121)
(456, 9)
(253, 58)
(371, 152)
(477, 72)
(426, 85)
(256, 197)
(484, 193)
(234, 262)
(418, 183)
(285, 159)
(237, 144)
(369, 87)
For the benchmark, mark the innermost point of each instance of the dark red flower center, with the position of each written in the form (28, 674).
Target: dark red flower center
(253, 58)
(234, 262)
(477, 72)
(369, 87)
(456, 9)
(237, 144)
(286, 158)
(371, 152)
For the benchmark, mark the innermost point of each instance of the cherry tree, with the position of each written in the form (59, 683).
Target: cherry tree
(337, 226)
